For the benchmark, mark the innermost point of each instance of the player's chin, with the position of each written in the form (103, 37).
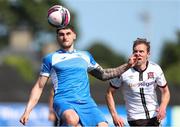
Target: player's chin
(139, 62)
(66, 46)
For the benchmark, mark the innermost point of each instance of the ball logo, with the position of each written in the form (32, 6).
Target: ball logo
(58, 16)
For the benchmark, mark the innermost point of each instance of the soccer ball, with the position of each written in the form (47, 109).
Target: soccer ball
(58, 16)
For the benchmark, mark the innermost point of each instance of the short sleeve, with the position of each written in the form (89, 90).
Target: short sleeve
(46, 66)
(160, 80)
(115, 82)
(92, 63)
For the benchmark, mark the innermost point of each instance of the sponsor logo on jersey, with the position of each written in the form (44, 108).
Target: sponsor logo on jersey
(147, 84)
(132, 85)
(142, 84)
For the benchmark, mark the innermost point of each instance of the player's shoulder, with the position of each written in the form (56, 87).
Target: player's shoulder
(154, 65)
(128, 72)
(151, 63)
(49, 55)
(84, 53)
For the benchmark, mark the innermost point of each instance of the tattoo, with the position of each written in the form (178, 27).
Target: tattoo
(109, 73)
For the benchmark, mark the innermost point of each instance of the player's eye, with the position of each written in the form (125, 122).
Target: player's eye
(68, 33)
(61, 34)
(135, 51)
(141, 51)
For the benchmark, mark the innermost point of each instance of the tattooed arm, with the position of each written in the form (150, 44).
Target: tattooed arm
(105, 74)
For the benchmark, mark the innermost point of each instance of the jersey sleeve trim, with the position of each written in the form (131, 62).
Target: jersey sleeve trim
(162, 86)
(113, 86)
(45, 74)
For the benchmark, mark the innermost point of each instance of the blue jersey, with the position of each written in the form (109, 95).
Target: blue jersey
(69, 74)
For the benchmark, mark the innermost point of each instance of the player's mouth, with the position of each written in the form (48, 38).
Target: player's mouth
(139, 58)
(66, 41)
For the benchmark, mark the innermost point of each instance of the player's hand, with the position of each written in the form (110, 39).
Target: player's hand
(161, 113)
(24, 118)
(132, 60)
(118, 121)
(52, 116)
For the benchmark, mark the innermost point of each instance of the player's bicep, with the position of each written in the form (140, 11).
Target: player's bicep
(42, 80)
(164, 89)
(97, 72)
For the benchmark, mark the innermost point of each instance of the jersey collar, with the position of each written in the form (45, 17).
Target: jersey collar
(147, 63)
(64, 51)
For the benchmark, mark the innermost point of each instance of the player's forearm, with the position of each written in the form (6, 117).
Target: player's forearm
(106, 74)
(34, 98)
(36, 93)
(165, 97)
(51, 101)
(119, 69)
(111, 104)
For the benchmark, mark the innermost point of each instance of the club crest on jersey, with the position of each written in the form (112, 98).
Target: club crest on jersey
(150, 75)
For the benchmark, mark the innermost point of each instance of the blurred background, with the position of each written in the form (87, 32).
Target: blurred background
(106, 28)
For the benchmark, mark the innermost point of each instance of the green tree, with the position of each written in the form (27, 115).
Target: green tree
(170, 54)
(170, 60)
(106, 57)
(30, 14)
(22, 65)
(173, 74)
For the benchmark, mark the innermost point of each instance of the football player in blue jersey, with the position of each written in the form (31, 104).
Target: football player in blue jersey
(68, 69)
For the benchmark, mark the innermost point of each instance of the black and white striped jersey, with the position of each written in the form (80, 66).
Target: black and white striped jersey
(139, 90)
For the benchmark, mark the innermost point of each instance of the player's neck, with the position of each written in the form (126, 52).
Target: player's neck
(142, 67)
(69, 49)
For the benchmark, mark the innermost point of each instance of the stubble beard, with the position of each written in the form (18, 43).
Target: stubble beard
(66, 46)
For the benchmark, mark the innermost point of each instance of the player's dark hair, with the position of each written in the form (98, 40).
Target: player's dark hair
(69, 26)
(142, 41)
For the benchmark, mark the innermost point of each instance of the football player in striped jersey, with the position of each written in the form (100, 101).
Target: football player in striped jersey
(139, 90)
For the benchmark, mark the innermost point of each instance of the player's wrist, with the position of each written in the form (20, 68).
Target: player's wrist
(128, 65)
(51, 111)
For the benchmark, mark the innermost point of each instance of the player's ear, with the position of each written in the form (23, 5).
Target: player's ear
(148, 55)
(74, 36)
